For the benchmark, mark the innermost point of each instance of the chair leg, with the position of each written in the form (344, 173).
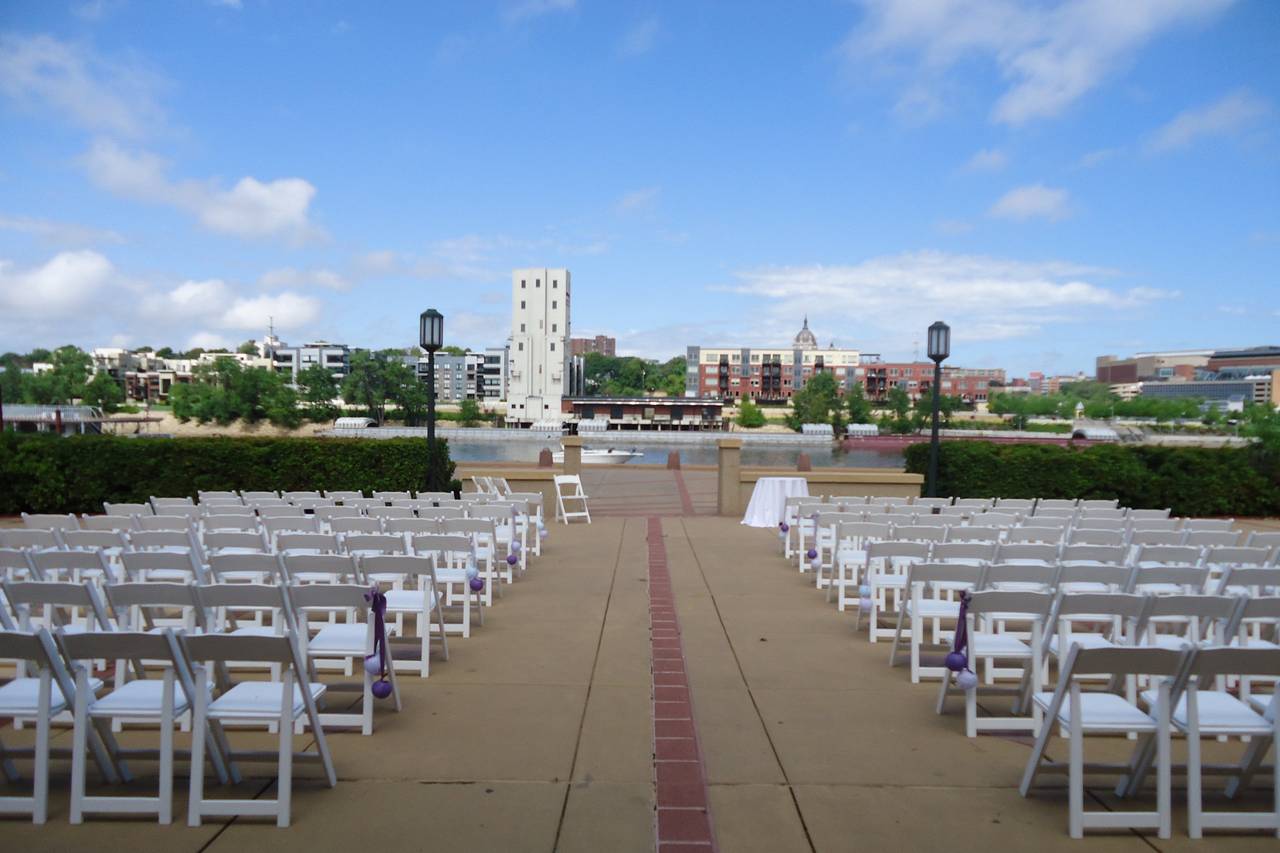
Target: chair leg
(165, 810)
(40, 804)
(1075, 781)
(284, 783)
(79, 747)
(198, 722)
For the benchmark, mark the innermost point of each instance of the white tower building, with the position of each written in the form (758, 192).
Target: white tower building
(540, 359)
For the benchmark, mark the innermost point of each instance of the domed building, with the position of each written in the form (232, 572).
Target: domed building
(805, 339)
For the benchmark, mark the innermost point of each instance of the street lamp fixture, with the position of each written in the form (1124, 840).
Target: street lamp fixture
(939, 349)
(431, 339)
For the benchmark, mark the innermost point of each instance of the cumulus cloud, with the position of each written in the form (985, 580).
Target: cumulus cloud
(1228, 115)
(1033, 201)
(62, 233)
(640, 38)
(984, 298)
(314, 277)
(986, 160)
(63, 283)
(79, 86)
(1050, 54)
(214, 302)
(250, 208)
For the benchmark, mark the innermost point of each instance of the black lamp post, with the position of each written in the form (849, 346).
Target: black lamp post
(431, 338)
(939, 349)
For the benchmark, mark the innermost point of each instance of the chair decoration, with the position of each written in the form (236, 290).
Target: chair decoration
(958, 657)
(376, 663)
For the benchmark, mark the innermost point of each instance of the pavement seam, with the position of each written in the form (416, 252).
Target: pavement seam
(586, 703)
(795, 802)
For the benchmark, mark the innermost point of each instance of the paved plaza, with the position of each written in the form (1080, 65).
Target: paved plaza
(538, 733)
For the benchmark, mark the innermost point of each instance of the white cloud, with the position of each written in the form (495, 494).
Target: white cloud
(637, 200)
(1228, 115)
(1033, 201)
(250, 208)
(82, 88)
(65, 283)
(640, 38)
(214, 302)
(890, 298)
(227, 4)
(316, 276)
(523, 10)
(1050, 54)
(62, 233)
(209, 340)
(918, 105)
(286, 310)
(1097, 157)
(986, 160)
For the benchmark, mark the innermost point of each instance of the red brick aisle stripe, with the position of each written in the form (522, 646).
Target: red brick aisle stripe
(686, 501)
(682, 819)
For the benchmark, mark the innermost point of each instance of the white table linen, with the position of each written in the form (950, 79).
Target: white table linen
(769, 499)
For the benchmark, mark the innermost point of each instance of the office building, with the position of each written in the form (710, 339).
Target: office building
(1181, 364)
(291, 361)
(542, 370)
(602, 344)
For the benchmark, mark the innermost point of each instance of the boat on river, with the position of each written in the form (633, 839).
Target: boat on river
(600, 456)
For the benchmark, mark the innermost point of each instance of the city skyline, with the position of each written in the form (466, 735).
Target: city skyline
(1086, 182)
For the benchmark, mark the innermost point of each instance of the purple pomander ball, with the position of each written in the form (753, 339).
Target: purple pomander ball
(815, 564)
(957, 661)
(373, 665)
(966, 680)
(864, 591)
(812, 553)
(476, 584)
(512, 559)
(515, 547)
(381, 689)
(864, 604)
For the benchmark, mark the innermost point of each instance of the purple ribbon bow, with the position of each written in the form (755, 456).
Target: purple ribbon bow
(958, 660)
(378, 604)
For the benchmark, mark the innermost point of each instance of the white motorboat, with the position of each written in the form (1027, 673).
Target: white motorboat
(600, 456)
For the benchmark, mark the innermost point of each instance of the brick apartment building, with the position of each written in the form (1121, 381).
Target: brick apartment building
(602, 344)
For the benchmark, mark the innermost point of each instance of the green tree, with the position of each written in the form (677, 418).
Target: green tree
(104, 392)
(249, 347)
(899, 405)
(453, 351)
(366, 384)
(813, 403)
(858, 404)
(319, 389)
(749, 415)
(469, 413)
(404, 389)
(223, 391)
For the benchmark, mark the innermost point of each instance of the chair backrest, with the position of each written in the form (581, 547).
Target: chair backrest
(242, 523)
(1169, 555)
(1119, 660)
(1152, 523)
(861, 531)
(50, 521)
(328, 596)
(411, 525)
(259, 495)
(267, 565)
(1023, 603)
(308, 524)
(568, 480)
(893, 549)
(225, 508)
(974, 552)
(28, 539)
(373, 543)
(1021, 552)
(1220, 608)
(328, 513)
(917, 533)
(397, 564)
(333, 565)
(1237, 556)
(222, 540)
(24, 595)
(187, 511)
(1015, 503)
(88, 540)
(1034, 534)
(996, 519)
(123, 597)
(151, 540)
(1264, 539)
(438, 512)
(894, 518)
(1258, 581)
(392, 496)
(448, 546)
(1095, 536)
(1112, 555)
(1115, 577)
(320, 543)
(1208, 523)
(387, 512)
(1091, 512)
(1148, 514)
(49, 564)
(302, 494)
(1120, 524)
(1005, 574)
(224, 495)
(106, 522)
(975, 503)
(1056, 504)
(259, 504)
(348, 526)
(1054, 512)
(164, 522)
(311, 504)
(1085, 604)
(1213, 662)
(127, 509)
(139, 564)
(929, 520)
(242, 596)
(1217, 538)
(343, 495)
(1191, 579)
(1157, 537)
(971, 533)
(286, 511)
(929, 502)
(222, 648)
(950, 574)
(15, 563)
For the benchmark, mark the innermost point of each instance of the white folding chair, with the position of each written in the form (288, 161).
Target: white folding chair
(279, 703)
(1208, 524)
(48, 521)
(127, 509)
(106, 522)
(885, 576)
(170, 566)
(454, 557)
(423, 602)
(931, 598)
(574, 482)
(1079, 713)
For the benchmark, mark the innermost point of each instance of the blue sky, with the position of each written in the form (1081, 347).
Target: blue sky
(1057, 180)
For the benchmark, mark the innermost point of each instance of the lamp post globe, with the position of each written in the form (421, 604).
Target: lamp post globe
(939, 349)
(431, 338)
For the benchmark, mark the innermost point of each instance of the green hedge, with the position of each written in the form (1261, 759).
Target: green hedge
(1192, 481)
(42, 473)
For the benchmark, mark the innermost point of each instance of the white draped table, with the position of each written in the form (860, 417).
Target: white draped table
(769, 499)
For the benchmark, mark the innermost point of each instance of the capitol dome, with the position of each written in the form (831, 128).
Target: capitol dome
(805, 339)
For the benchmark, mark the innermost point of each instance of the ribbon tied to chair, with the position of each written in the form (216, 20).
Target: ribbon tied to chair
(376, 663)
(958, 658)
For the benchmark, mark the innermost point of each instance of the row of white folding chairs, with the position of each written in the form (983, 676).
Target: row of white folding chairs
(492, 485)
(1019, 504)
(52, 691)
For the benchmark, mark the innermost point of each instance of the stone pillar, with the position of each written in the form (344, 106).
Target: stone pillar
(673, 461)
(730, 476)
(572, 454)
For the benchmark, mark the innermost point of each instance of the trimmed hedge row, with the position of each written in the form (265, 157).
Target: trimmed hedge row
(1192, 481)
(42, 473)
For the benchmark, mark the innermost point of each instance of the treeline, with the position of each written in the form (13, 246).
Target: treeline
(627, 376)
(71, 380)
(820, 402)
(1097, 402)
